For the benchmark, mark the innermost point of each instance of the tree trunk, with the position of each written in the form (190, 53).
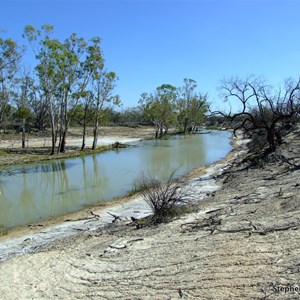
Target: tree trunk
(278, 137)
(53, 135)
(64, 136)
(23, 132)
(84, 127)
(60, 139)
(271, 140)
(60, 130)
(156, 129)
(83, 136)
(65, 122)
(53, 131)
(185, 126)
(63, 141)
(96, 130)
(161, 131)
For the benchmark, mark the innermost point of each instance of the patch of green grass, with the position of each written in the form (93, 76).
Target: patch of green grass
(168, 215)
(3, 230)
(136, 188)
(3, 152)
(213, 127)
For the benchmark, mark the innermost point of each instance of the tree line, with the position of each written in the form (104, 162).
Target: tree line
(70, 85)
(68, 74)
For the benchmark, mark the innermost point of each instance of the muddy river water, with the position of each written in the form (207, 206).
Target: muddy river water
(32, 193)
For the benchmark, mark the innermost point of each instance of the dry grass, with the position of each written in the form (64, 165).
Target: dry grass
(166, 199)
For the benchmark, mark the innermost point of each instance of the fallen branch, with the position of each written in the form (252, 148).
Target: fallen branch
(95, 215)
(260, 232)
(207, 222)
(214, 210)
(116, 218)
(234, 230)
(273, 229)
(85, 218)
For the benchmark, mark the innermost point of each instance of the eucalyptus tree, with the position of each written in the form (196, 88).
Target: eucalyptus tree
(130, 116)
(73, 82)
(25, 94)
(40, 109)
(10, 58)
(61, 77)
(83, 113)
(101, 86)
(192, 106)
(46, 52)
(160, 108)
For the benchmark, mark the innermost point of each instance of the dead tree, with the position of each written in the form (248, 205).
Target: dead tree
(264, 111)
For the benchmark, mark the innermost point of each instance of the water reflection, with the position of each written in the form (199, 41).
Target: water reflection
(34, 192)
(48, 167)
(183, 152)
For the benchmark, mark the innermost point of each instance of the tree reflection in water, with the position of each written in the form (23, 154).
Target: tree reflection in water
(31, 193)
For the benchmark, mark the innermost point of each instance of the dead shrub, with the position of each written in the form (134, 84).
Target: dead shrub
(166, 199)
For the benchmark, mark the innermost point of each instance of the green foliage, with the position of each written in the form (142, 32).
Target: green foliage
(23, 113)
(160, 108)
(131, 116)
(72, 80)
(10, 57)
(136, 188)
(3, 230)
(191, 106)
(171, 106)
(71, 85)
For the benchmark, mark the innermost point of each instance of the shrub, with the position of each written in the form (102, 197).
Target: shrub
(167, 199)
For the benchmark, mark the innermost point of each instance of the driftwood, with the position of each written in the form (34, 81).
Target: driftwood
(118, 145)
(85, 218)
(254, 229)
(214, 210)
(95, 215)
(116, 218)
(280, 228)
(213, 222)
(209, 223)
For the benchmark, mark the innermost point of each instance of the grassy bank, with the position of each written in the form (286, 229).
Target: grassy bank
(9, 157)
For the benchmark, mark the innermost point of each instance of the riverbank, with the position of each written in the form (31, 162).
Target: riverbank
(38, 147)
(243, 243)
(50, 230)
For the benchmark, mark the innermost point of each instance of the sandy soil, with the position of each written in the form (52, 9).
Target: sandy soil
(38, 148)
(242, 243)
(74, 137)
(107, 135)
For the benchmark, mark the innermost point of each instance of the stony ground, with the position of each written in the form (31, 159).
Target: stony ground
(243, 243)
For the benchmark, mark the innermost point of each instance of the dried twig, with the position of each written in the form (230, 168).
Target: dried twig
(116, 218)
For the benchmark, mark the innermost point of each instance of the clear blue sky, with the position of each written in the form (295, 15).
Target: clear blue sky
(149, 43)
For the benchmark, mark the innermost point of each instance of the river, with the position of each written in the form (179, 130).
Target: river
(35, 192)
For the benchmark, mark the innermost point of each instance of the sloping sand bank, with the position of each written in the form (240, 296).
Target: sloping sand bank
(243, 243)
